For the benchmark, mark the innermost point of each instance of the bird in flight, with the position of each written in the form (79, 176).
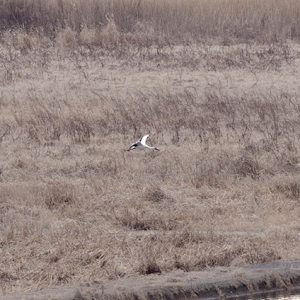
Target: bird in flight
(141, 144)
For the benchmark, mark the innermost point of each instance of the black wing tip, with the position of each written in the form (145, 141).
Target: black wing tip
(132, 147)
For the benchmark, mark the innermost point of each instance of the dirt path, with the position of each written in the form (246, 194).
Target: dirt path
(215, 282)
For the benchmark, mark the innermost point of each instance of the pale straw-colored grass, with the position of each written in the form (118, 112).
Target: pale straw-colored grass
(223, 190)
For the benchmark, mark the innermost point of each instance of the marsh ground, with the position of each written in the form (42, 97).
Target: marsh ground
(223, 191)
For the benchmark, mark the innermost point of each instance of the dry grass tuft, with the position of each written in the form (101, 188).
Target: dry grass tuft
(66, 39)
(139, 218)
(154, 194)
(148, 264)
(247, 166)
(88, 36)
(290, 187)
(58, 194)
(110, 33)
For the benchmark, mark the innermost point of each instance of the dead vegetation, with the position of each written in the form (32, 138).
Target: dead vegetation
(227, 20)
(224, 189)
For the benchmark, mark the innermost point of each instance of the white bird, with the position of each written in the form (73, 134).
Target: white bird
(141, 144)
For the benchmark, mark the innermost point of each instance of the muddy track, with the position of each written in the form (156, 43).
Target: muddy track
(215, 282)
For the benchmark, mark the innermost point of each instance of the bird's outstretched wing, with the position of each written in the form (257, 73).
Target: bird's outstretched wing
(143, 139)
(133, 146)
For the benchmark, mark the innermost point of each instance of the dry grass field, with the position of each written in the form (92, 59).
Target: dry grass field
(215, 83)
